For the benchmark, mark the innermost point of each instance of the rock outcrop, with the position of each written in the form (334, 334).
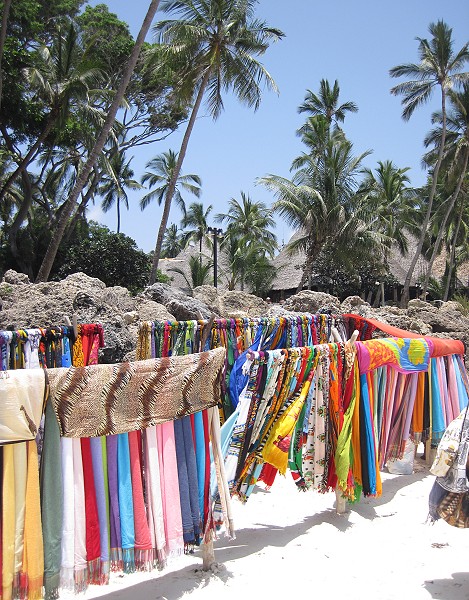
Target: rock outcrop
(24, 304)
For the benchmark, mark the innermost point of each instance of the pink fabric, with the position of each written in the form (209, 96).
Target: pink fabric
(142, 532)
(170, 488)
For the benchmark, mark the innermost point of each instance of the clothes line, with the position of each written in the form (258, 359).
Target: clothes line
(122, 501)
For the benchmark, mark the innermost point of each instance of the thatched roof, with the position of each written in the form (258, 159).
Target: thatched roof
(181, 261)
(290, 267)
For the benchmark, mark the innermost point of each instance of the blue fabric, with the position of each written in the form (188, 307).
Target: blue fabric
(238, 379)
(126, 507)
(200, 457)
(438, 421)
(462, 393)
(183, 480)
(66, 354)
(369, 437)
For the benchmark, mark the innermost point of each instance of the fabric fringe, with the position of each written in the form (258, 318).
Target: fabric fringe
(117, 563)
(81, 580)
(30, 589)
(52, 586)
(104, 572)
(144, 559)
(94, 571)
(161, 558)
(128, 557)
(16, 590)
(67, 578)
(52, 594)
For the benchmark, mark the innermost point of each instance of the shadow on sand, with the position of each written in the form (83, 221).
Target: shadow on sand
(456, 588)
(249, 541)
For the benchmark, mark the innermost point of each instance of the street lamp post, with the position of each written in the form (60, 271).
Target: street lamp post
(216, 231)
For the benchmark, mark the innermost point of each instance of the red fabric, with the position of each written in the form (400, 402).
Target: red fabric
(268, 474)
(207, 467)
(441, 346)
(93, 545)
(142, 531)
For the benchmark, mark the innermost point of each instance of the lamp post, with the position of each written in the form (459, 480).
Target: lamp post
(216, 231)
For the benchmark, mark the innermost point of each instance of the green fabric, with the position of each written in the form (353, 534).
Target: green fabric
(51, 503)
(343, 453)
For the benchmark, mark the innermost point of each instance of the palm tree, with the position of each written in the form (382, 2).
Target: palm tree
(251, 221)
(115, 181)
(326, 103)
(82, 179)
(439, 66)
(248, 233)
(160, 176)
(196, 217)
(217, 41)
(321, 201)
(61, 78)
(199, 272)
(173, 242)
(456, 157)
(390, 201)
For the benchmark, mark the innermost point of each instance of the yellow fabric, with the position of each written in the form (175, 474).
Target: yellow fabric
(33, 558)
(8, 522)
(22, 394)
(275, 451)
(78, 358)
(20, 466)
(417, 415)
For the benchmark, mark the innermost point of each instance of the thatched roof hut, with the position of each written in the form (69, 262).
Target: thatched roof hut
(290, 268)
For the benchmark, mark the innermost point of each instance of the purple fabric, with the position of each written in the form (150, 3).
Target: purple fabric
(111, 444)
(98, 472)
(191, 465)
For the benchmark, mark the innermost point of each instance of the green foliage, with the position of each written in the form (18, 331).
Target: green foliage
(110, 37)
(463, 300)
(199, 272)
(349, 273)
(111, 257)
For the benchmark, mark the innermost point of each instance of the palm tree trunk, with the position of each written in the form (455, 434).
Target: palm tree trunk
(172, 184)
(82, 206)
(453, 253)
(426, 221)
(3, 35)
(118, 216)
(441, 230)
(51, 252)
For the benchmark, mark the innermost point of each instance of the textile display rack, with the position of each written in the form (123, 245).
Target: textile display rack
(114, 472)
(332, 413)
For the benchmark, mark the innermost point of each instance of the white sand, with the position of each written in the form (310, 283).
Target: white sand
(293, 545)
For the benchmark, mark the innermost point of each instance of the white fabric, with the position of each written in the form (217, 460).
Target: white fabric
(22, 395)
(155, 502)
(67, 571)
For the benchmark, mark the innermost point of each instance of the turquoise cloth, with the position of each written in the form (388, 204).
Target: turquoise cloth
(124, 482)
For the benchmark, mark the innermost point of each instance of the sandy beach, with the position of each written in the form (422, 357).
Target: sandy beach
(292, 543)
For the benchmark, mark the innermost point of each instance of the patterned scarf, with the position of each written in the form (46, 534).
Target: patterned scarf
(108, 399)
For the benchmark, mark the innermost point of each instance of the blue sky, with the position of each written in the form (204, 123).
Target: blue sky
(354, 42)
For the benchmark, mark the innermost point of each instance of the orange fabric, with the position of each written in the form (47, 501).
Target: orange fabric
(441, 347)
(417, 415)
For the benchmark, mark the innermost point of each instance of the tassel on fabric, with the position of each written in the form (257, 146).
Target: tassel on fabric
(128, 557)
(117, 562)
(81, 580)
